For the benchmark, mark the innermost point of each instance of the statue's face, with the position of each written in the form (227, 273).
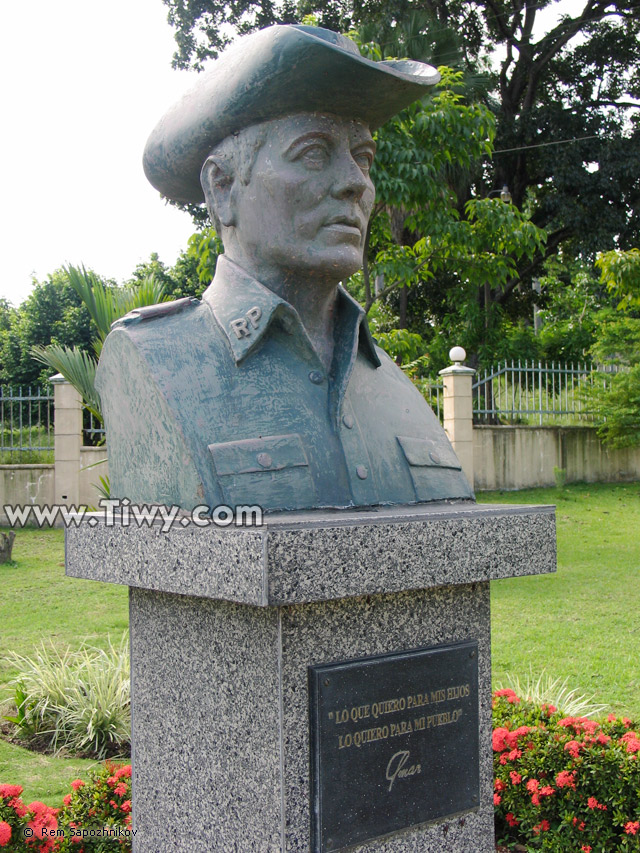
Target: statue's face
(307, 204)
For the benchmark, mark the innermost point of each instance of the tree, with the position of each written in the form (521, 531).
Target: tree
(564, 96)
(52, 313)
(616, 397)
(104, 304)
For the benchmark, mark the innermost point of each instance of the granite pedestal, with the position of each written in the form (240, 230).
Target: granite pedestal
(227, 626)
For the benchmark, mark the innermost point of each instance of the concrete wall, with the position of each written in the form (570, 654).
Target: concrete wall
(26, 484)
(519, 457)
(90, 474)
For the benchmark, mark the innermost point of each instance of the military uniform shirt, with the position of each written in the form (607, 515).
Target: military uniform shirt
(225, 401)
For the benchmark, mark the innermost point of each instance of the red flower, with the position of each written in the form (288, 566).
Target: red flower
(611, 718)
(508, 694)
(514, 754)
(497, 799)
(594, 804)
(632, 827)
(499, 785)
(120, 789)
(5, 832)
(516, 778)
(18, 806)
(67, 800)
(573, 748)
(543, 826)
(8, 792)
(632, 741)
(626, 722)
(126, 806)
(498, 739)
(532, 785)
(580, 824)
(123, 771)
(77, 783)
(547, 791)
(566, 779)
(510, 819)
(586, 848)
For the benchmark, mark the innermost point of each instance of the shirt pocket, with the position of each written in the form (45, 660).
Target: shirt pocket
(271, 471)
(431, 464)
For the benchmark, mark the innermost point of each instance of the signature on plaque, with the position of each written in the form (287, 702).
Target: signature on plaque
(399, 767)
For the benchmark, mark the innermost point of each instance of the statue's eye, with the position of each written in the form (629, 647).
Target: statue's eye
(314, 156)
(364, 159)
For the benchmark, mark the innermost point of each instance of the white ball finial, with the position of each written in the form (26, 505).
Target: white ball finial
(457, 355)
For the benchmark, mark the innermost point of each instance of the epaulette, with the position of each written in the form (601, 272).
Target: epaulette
(151, 312)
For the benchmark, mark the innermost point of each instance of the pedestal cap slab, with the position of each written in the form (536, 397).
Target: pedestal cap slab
(320, 555)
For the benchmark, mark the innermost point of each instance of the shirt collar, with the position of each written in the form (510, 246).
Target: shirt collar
(245, 310)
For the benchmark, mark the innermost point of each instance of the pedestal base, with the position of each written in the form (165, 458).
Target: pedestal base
(221, 714)
(222, 741)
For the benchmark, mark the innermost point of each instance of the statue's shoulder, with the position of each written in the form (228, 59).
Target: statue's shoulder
(155, 312)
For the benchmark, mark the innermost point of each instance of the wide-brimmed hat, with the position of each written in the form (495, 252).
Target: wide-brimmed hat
(269, 74)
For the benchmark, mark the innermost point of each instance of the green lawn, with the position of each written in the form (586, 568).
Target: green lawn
(582, 622)
(37, 602)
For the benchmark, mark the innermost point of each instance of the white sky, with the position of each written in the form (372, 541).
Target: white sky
(84, 83)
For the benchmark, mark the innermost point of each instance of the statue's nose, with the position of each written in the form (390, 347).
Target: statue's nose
(350, 180)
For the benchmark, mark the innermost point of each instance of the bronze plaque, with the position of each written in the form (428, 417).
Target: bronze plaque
(393, 742)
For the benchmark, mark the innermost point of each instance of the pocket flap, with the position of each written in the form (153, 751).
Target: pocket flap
(254, 455)
(426, 453)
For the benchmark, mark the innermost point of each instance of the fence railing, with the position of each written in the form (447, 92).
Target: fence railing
(432, 392)
(536, 392)
(93, 431)
(26, 422)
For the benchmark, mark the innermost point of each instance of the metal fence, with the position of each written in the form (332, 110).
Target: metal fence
(26, 421)
(432, 392)
(93, 431)
(537, 393)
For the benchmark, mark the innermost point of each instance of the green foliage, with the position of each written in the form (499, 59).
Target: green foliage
(564, 783)
(421, 236)
(95, 818)
(77, 701)
(102, 802)
(52, 313)
(621, 273)
(180, 280)
(105, 304)
(545, 689)
(204, 247)
(615, 397)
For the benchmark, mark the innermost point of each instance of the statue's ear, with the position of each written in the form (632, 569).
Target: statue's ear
(217, 180)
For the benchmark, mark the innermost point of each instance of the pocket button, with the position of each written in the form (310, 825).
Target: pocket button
(265, 460)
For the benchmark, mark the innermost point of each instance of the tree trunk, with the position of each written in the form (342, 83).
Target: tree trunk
(6, 546)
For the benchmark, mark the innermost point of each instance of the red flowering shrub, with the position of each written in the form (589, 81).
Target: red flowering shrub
(565, 784)
(23, 827)
(95, 818)
(103, 804)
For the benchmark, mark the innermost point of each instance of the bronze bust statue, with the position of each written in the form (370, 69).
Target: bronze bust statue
(271, 390)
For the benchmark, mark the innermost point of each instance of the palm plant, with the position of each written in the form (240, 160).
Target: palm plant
(105, 304)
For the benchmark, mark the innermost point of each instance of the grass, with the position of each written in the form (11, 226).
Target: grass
(39, 603)
(581, 623)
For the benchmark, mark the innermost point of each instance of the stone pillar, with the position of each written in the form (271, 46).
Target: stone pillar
(67, 441)
(458, 409)
(319, 682)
